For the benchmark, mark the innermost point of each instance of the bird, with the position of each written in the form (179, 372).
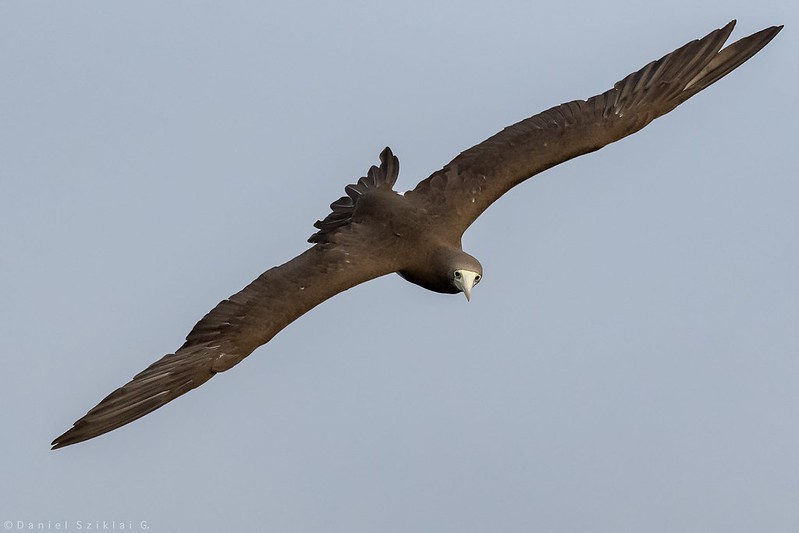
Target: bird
(374, 231)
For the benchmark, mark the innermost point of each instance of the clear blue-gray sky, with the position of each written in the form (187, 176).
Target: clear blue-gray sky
(630, 361)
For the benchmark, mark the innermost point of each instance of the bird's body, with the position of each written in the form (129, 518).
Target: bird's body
(374, 231)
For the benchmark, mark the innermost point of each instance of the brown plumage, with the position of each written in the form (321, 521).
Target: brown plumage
(373, 231)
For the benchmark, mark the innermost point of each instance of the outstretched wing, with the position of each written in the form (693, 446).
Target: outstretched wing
(457, 194)
(349, 254)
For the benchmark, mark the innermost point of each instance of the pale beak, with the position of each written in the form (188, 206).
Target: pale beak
(466, 281)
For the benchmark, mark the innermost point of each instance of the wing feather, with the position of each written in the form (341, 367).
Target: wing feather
(457, 194)
(236, 327)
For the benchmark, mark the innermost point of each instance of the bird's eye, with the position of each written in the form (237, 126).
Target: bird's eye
(457, 275)
(477, 279)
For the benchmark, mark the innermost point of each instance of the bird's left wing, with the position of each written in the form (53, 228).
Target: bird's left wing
(457, 194)
(346, 254)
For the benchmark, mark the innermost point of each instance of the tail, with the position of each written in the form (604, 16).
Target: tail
(377, 178)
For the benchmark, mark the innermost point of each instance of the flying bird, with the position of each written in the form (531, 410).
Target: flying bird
(374, 231)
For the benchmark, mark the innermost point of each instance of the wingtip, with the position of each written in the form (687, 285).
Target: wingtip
(771, 30)
(77, 433)
(63, 440)
(733, 22)
(761, 38)
(726, 30)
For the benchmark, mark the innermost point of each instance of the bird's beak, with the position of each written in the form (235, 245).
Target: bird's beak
(466, 282)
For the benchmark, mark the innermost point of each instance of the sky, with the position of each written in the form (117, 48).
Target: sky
(628, 363)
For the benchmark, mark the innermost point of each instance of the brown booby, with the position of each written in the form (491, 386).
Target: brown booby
(374, 231)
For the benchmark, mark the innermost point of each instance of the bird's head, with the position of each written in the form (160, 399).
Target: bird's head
(447, 270)
(466, 272)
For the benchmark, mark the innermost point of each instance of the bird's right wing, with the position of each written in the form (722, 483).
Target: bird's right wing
(346, 255)
(457, 194)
